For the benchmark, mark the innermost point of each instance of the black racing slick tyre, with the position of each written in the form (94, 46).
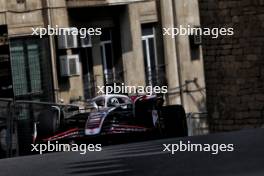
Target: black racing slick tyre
(48, 122)
(174, 121)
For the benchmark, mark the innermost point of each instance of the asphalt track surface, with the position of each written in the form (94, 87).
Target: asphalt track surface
(147, 158)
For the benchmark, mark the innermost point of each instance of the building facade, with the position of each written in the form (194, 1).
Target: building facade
(132, 49)
(234, 65)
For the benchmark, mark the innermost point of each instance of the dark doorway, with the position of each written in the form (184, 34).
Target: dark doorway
(6, 90)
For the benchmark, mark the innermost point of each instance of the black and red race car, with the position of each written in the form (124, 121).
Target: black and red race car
(111, 115)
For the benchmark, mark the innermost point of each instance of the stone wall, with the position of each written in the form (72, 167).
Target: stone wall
(234, 66)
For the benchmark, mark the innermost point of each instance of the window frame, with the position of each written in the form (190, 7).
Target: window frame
(106, 71)
(146, 39)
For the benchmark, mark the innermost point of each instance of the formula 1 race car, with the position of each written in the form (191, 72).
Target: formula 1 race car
(112, 115)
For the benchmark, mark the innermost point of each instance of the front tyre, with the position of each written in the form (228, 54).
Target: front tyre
(49, 122)
(174, 121)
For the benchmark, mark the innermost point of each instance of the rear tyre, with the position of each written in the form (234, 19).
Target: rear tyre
(49, 122)
(174, 121)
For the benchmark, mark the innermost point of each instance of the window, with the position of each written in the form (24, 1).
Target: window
(34, 67)
(150, 56)
(107, 54)
(19, 69)
(195, 42)
(21, 1)
(87, 72)
(30, 69)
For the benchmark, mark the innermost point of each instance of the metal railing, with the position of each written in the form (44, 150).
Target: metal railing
(197, 124)
(17, 119)
(156, 76)
(7, 128)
